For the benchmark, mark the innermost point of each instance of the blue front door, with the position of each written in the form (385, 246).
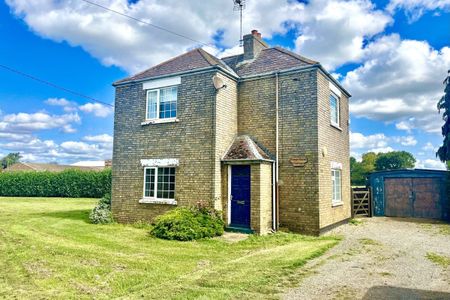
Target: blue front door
(240, 196)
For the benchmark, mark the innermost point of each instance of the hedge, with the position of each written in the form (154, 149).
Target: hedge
(69, 183)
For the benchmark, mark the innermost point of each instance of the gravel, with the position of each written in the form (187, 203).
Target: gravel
(381, 258)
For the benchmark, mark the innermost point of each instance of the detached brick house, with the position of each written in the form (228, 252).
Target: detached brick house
(263, 136)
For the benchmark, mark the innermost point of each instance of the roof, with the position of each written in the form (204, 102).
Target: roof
(408, 173)
(40, 167)
(269, 60)
(244, 148)
(190, 61)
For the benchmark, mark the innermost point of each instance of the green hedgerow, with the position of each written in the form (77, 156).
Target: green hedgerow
(188, 223)
(101, 214)
(69, 183)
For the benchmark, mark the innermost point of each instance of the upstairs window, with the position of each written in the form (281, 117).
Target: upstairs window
(162, 103)
(334, 109)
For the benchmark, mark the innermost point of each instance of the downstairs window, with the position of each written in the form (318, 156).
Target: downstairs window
(336, 185)
(159, 183)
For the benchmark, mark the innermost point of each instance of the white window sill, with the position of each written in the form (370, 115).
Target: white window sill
(159, 121)
(336, 204)
(158, 201)
(336, 126)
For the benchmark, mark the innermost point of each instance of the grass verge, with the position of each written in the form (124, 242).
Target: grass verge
(50, 250)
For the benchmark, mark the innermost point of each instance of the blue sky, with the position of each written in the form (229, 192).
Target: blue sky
(392, 55)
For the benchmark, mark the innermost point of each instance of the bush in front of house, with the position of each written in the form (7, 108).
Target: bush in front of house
(101, 214)
(188, 223)
(69, 183)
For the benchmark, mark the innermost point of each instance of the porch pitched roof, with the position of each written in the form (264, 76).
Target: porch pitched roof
(244, 148)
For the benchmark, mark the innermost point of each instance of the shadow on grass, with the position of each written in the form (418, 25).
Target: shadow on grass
(393, 292)
(77, 215)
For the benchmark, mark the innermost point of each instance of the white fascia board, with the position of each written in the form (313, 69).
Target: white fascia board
(335, 89)
(163, 162)
(163, 82)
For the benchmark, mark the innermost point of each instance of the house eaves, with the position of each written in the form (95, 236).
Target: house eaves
(296, 70)
(226, 72)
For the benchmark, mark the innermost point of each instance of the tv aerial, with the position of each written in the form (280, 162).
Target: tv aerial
(239, 5)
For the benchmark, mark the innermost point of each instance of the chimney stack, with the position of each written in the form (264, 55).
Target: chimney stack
(253, 45)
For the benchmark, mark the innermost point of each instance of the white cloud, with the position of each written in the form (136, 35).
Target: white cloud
(406, 140)
(67, 105)
(37, 150)
(429, 147)
(430, 164)
(405, 125)
(334, 32)
(414, 9)
(400, 81)
(98, 109)
(27, 123)
(101, 138)
(360, 141)
(119, 41)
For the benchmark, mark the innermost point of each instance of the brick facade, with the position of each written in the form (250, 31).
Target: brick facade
(191, 140)
(209, 121)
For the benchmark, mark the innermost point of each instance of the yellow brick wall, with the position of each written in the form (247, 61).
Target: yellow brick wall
(336, 142)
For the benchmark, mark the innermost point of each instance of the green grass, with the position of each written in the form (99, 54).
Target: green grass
(355, 222)
(443, 261)
(50, 250)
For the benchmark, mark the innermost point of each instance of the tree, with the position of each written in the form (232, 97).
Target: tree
(444, 104)
(394, 160)
(360, 170)
(10, 159)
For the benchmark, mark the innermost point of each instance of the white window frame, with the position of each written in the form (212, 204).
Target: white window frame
(336, 201)
(338, 110)
(158, 119)
(155, 199)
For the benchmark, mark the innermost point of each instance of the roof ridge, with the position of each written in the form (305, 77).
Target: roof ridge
(295, 55)
(207, 56)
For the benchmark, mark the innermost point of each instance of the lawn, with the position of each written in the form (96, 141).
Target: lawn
(50, 250)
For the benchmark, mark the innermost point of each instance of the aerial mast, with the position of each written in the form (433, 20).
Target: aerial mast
(239, 5)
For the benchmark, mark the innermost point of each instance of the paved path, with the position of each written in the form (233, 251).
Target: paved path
(382, 258)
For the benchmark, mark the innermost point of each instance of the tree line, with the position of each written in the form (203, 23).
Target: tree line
(370, 162)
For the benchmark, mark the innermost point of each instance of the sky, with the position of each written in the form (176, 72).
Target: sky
(391, 55)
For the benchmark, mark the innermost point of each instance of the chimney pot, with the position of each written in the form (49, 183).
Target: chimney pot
(253, 44)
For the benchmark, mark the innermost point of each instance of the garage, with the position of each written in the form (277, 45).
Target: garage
(410, 193)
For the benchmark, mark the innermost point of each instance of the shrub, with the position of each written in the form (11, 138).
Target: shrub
(101, 214)
(69, 183)
(188, 223)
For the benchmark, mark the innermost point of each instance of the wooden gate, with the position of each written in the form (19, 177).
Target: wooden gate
(361, 202)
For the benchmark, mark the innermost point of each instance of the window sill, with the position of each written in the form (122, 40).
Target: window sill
(158, 201)
(160, 121)
(336, 126)
(337, 204)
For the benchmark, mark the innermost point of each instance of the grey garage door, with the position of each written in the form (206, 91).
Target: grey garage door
(413, 197)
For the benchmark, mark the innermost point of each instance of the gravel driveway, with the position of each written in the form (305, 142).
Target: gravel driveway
(382, 258)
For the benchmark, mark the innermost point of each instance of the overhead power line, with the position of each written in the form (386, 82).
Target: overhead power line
(147, 23)
(53, 85)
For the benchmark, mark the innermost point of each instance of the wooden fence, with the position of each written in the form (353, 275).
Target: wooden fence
(361, 202)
